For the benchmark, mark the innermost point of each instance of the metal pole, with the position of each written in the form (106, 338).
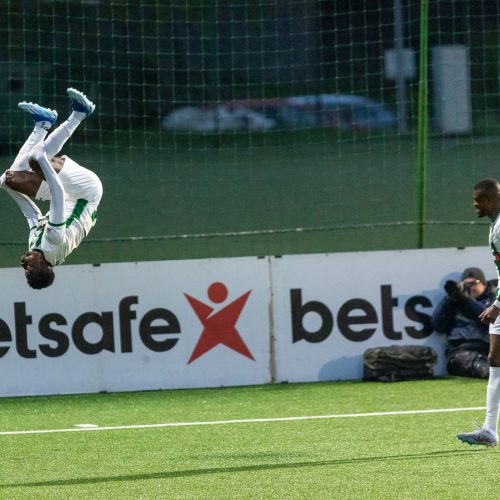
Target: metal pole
(423, 120)
(400, 77)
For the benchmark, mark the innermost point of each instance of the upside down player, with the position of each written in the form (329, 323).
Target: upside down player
(74, 191)
(486, 201)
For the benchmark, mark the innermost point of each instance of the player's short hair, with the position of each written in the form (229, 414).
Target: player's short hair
(41, 278)
(488, 188)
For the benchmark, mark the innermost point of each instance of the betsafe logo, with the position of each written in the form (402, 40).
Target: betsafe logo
(159, 329)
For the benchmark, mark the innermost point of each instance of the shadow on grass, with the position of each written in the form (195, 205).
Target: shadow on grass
(242, 468)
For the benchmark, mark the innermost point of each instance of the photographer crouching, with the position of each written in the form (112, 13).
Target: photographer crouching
(457, 316)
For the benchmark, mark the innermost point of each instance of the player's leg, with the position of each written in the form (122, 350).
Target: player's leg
(19, 177)
(82, 108)
(43, 119)
(493, 389)
(487, 435)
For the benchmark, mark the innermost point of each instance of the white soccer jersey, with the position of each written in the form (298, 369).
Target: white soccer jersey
(494, 241)
(74, 196)
(57, 241)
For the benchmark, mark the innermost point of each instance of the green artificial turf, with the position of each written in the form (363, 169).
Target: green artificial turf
(412, 455)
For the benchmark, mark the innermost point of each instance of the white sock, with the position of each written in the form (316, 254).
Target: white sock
(79, 116)
(492, 400)
(61, 134)
(38, 135)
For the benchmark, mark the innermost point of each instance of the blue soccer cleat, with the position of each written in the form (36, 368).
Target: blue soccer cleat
(39, 113)
(80, 102)
(481, 436)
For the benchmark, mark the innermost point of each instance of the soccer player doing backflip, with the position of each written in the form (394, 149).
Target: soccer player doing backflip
(74, 192)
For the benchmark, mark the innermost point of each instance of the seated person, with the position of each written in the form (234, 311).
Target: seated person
(457, 316)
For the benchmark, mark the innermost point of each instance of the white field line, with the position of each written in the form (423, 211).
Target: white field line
(242, 421)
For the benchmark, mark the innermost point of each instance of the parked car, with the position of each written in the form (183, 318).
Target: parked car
(344, 112)
(338, 111)
(216, 119)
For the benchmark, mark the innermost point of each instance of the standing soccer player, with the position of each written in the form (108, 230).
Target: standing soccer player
(486, 201)
(74, 191)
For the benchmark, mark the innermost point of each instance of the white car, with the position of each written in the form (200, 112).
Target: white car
(218, 119)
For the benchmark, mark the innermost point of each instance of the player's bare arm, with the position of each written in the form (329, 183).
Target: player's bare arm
(28, 182)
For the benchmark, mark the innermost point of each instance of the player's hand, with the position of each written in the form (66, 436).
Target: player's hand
(489, 315)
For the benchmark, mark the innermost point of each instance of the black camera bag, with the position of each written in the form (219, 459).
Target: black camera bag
(394, 363)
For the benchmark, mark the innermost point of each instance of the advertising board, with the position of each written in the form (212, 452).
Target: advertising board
(220, 322)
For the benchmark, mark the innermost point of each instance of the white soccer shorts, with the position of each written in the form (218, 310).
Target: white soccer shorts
(495, 327)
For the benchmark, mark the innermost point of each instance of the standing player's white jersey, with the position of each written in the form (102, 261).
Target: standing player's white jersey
(494, 241)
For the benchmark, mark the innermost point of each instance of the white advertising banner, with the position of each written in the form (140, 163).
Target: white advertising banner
(219, 322)
(328, 309)
(135, 326)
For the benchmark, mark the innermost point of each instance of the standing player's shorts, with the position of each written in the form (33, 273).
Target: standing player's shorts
(78, 182)
(495, 327)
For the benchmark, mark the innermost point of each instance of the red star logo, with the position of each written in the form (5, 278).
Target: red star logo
(219, 326)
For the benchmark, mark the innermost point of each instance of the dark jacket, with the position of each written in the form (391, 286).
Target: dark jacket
(459, 320)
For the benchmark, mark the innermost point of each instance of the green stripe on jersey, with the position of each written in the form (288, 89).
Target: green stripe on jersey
(77, 211)
(39, 239)
(496, 257)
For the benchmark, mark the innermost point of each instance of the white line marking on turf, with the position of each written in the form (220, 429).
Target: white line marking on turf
(242, 421)
(86, 426)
